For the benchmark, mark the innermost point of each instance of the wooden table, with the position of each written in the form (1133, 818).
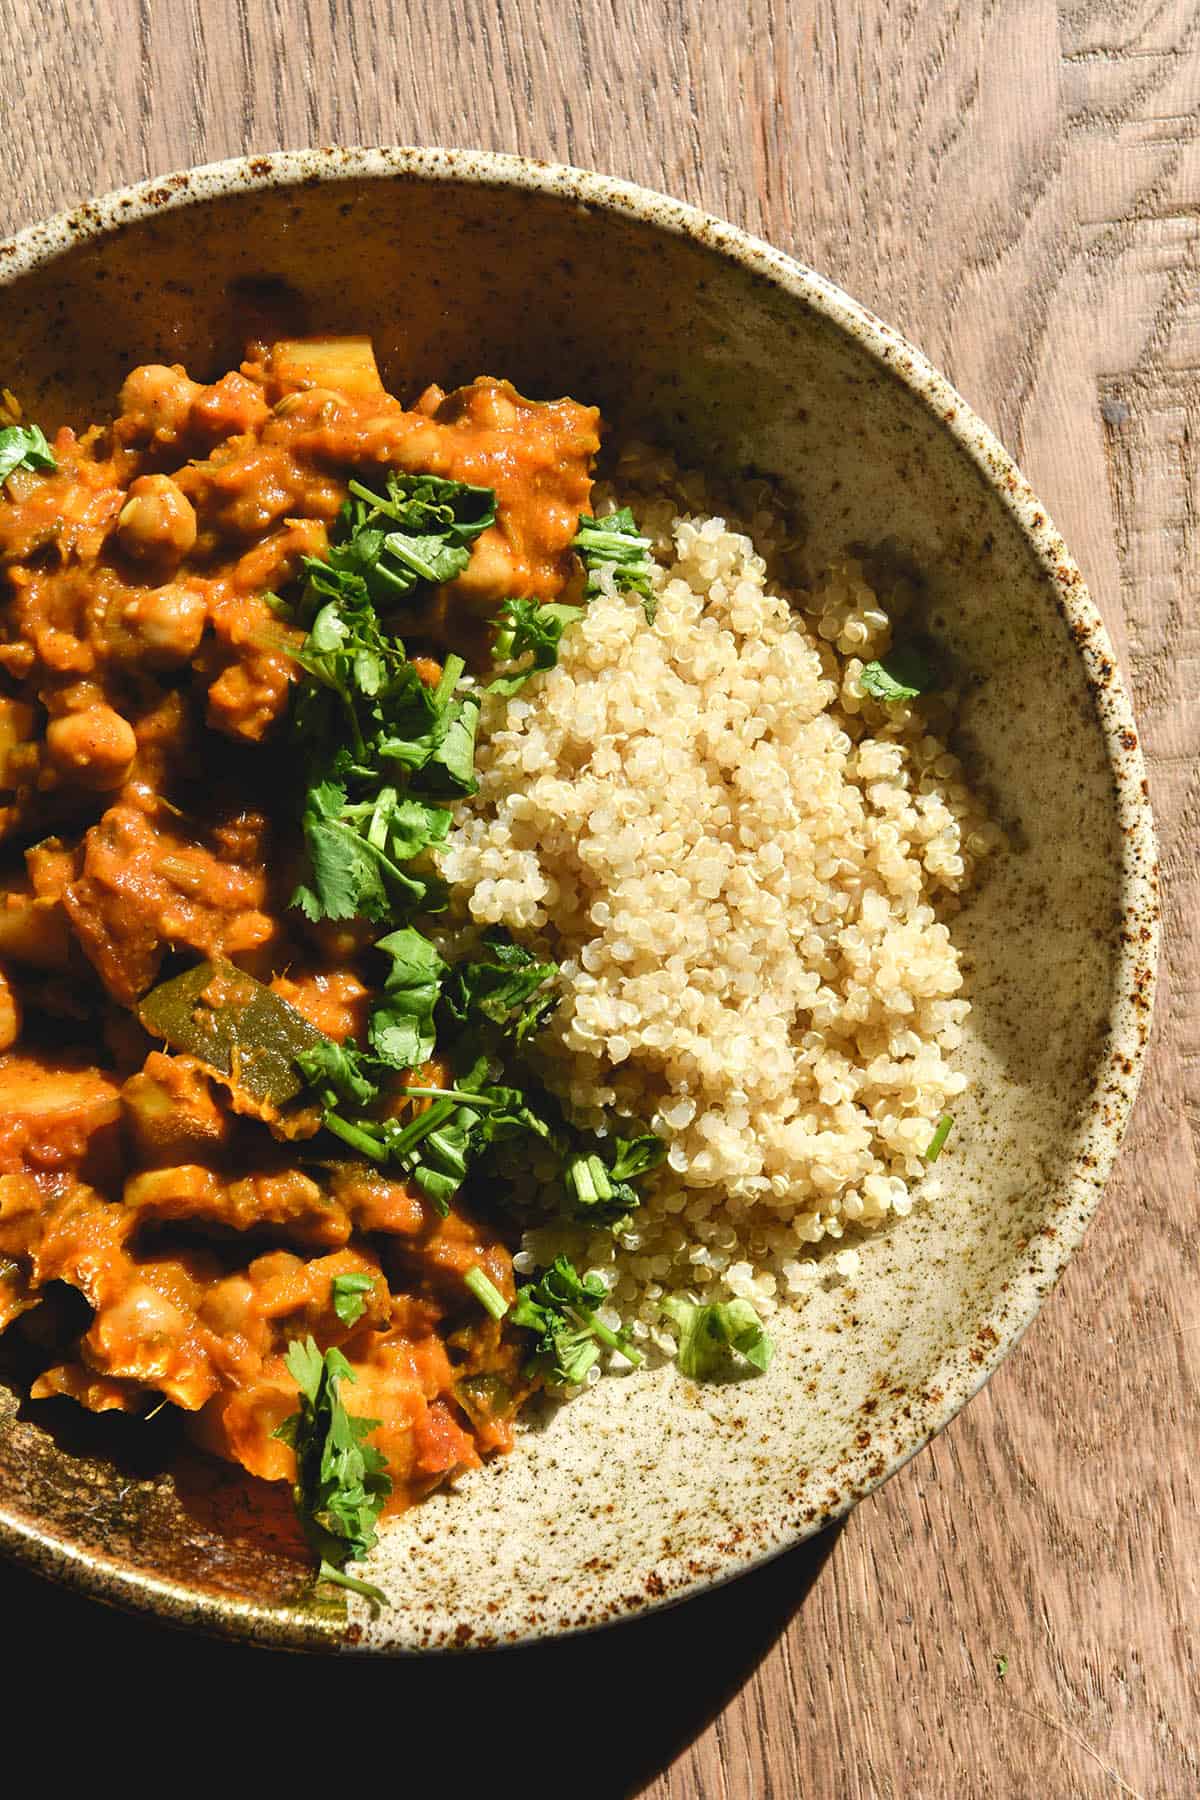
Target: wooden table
(1017, 185)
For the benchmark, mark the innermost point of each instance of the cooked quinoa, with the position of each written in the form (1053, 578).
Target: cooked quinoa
(744, 866)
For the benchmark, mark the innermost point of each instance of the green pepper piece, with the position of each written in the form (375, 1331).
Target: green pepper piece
(243, 1031)
(485, 1398)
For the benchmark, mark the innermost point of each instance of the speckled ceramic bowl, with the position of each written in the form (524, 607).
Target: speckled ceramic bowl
(645, 1489)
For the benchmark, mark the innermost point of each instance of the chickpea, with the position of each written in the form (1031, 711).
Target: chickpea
(157, 520)
(10, 1013)
(94, 748)
(157, 400)
(166, 624)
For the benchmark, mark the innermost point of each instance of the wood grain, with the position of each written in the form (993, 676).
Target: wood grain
(1016, 184)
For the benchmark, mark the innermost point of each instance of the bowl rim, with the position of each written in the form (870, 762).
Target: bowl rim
(959, 1375)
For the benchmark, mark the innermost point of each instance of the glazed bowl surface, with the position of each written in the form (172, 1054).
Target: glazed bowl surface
(691, 334)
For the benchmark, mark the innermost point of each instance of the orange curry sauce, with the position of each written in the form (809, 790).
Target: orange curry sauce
(143, 817)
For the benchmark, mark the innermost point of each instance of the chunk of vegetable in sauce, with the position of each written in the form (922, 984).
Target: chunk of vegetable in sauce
(236, 1026)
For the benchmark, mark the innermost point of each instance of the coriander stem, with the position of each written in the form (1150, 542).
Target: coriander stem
(355, 1137)
(480, 1102)
(486, 1292)
(419, 1128)
(589, 1322)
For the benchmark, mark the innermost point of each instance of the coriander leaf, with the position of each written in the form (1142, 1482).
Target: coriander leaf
(450, 767)
(708, 1333)
(937, 1141)
(901, 675)
(348, 1291)
(341, 1481)
(560, 1308)
(413, 825)
(636, 1155)
(347, 878)
(525, 626)
(362, 724)
(339, 1069)
(358, 851)
(504, 988)
(614, 543)
(401, 1028)
(417, 530)
(24, 447)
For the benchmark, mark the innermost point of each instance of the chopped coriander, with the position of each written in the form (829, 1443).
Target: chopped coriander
(381, 752)
(340, 1071)
(900, 675)
(561, 1309)
(486, 1292)
(348, 1291)
(708, 1333)
(635, 1155)
(380, 748)
(504, 992)
(936, 1142)
(592, 1195)
(401, 1028)
(524, 627)
(24, 447)
(450, 767)
(615, 543)
(341, 1481)
(599, 1193)
(419, 529)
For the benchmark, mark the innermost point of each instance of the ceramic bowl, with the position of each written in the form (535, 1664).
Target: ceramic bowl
(693, 334)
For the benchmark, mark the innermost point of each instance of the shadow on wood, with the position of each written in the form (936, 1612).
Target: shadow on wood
(594, 1717)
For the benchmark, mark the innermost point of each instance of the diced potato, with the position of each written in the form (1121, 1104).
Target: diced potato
(70, 1115)
(170, 1113)
(345, 364)
(181, 1192)
(34, 1088)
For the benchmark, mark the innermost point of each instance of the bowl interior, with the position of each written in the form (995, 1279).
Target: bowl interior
(639, 1490)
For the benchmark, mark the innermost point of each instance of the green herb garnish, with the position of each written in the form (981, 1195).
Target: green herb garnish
(418, 529)
(378, 745)
(341, 1481)
(380, 751)
(526, 628)
(503, 993)
(707, 1334)
(614, 542)
(561, 1309)
(944, 1128)
(348, 1301)
(401, 1028)
(24, 447)
(486, 1292)
(900, 675)
(599, 1193)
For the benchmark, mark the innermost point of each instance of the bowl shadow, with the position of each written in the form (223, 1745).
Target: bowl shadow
(597, 1716)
